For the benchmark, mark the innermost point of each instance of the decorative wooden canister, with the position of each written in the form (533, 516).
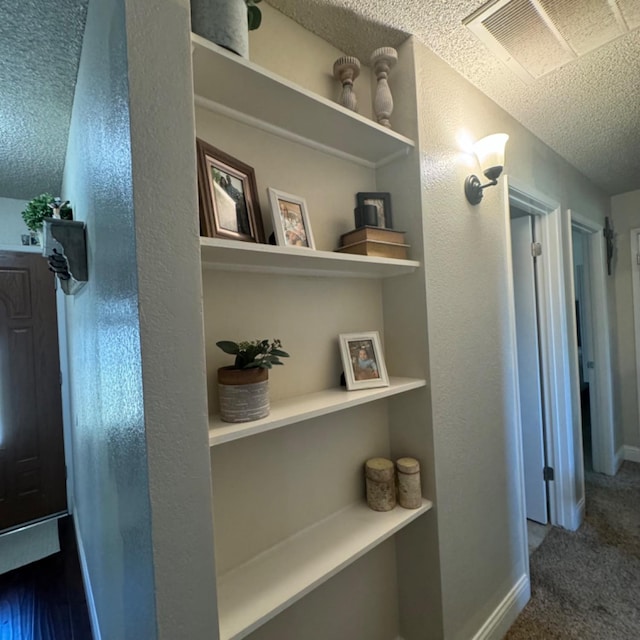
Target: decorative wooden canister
(409, 490)
(381, 485)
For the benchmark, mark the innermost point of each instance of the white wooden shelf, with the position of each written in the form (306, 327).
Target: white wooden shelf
(256, 591)
(305, 407)
(232, 255)
(237, 88)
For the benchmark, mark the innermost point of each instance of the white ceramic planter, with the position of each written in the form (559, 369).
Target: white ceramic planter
(223, 22)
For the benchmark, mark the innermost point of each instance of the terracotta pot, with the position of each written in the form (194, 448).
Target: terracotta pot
(243, 394)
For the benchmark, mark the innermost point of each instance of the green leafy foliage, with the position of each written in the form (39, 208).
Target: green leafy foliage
(253, 354)
(254, 15)
(40, 208)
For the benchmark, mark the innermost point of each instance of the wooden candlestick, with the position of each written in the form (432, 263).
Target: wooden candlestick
(382, 61)
(346, 70)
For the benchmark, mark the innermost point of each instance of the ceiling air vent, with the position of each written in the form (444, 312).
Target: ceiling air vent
(535, 37)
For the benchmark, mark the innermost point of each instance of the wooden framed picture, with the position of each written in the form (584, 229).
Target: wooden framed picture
(290, 219)
(382, 202)
(228, 196)
(363, 361)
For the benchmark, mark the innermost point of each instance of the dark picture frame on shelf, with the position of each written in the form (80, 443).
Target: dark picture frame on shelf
(228, 196)
(363, 360)
(382, 201)
(291, 224)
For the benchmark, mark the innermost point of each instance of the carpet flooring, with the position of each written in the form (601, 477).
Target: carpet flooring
(586, 584)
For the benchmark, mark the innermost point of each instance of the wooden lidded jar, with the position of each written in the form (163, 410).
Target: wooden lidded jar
(409, 488)
(381, 485)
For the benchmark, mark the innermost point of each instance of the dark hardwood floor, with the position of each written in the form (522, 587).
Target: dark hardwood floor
(45, 600)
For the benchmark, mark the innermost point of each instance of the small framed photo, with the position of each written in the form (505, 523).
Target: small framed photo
(228, 196)
(363, 361)
(382, 202)
(290, 219)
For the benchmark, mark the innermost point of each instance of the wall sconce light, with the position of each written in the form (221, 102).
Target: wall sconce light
(490, 154)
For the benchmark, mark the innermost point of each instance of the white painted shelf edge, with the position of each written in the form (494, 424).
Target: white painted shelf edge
(232, 255)
(306, 407)
(374, 144)
(258, 590)
(21, 248)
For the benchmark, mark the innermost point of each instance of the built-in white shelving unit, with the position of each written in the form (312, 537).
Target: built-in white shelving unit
(230, 255)
(303, 534)
(256, 591)
(243, 91)
(306, 407)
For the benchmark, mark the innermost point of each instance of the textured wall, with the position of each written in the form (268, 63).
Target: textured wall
(12, 225)
(470, 339)
(39, 47)
(140, 454)
(625, 209)
(109, 448)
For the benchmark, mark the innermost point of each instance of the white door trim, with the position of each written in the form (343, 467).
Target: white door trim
(603, 432)
(561, 454)
(635, 280)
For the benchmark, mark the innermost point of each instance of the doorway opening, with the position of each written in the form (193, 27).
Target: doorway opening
(584, 336)
(556, 474)
(593, 344)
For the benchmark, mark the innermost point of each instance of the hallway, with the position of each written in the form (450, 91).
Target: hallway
(586, 584)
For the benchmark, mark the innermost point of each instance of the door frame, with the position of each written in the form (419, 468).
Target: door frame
(566, 505)
(630, 453)
(602, 423)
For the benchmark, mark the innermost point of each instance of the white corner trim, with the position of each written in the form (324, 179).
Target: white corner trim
(578, 516)
(631, 453)
(91, 605)
(505, 614)
(619, 459)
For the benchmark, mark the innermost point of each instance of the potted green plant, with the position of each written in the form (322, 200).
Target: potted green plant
(226, 22)
(244, 386)
(45, 206)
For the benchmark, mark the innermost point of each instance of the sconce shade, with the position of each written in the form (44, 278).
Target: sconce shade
(490, 154)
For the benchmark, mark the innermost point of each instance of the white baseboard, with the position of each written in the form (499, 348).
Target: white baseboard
(29, 544)
(505, 614)
(631, 453)
(91, 605)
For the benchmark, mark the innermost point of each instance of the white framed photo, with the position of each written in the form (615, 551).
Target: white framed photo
(290, 219)
(363, 361)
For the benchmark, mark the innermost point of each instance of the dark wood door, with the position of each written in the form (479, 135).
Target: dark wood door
(32, 468)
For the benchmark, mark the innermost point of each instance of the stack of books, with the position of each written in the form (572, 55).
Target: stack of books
(374, 241)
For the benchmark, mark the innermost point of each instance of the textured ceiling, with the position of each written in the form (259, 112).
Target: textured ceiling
(587, 111)
(40, 43)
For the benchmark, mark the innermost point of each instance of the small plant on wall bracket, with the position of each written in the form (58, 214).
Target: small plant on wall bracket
(254, 354)
(45, 206)
(254, 15)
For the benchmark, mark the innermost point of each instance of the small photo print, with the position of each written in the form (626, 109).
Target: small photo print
(363, 360)
(293, 223)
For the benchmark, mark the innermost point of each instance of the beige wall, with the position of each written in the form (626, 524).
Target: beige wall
(284, 47)
(12, 225)
(625, 209)
(470, 338)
